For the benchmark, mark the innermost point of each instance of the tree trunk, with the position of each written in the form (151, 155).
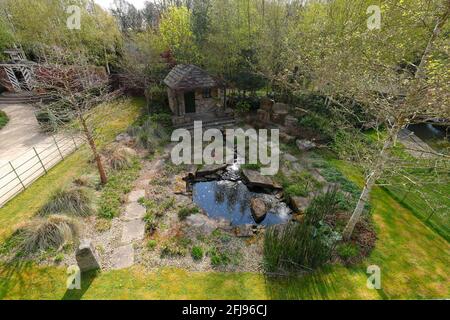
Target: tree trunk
(369, 183)
(436, 31)
(92, 145)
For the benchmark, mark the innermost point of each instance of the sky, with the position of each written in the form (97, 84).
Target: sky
(106, 4)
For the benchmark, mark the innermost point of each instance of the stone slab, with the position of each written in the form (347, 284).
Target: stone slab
(254, 178)
(134, 210)
(135, 195)
(133, 230)
(123, 257)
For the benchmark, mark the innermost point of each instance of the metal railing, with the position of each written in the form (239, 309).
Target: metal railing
(18, 174)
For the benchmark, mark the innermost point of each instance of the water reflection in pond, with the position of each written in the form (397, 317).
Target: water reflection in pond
(231, 201)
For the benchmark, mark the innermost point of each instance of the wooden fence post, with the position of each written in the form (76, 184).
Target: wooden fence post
(17, 175)
(57, 147)
(42, 164)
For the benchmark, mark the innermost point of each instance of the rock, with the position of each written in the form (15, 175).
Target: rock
(134, 211)
(133, 230)
(305, 145)
(210, 169)
(86, 256)
(203, 223)
(244, 231)
(289, 157)
(299, 217)
(263, 116)
(284, 137)
(254, 178)
(279, 118)
(300, 204)
(291, 122)
(179, 185)
(125, 138)
(266, 104)
(280, 108)
(123, 257)
(135, 195)
(258, 208)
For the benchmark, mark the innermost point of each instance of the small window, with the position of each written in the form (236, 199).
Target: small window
(206, 93)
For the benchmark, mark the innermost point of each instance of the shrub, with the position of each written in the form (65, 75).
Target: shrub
(219, 257)
(53, 232)
(119, 158)
(151, 225)
(3, 119)
(150, 135)
(73, 201)
(243, 107)
(173, 249)
(296, 190)
(185, 212)
(197, 253)
(322, 205)
(151, 245)
(293, 247)
(347, 250)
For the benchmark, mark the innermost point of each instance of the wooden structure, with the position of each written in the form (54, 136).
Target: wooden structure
(193, 94)
(16, 75)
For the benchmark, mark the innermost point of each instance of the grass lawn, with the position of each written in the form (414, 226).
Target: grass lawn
(3, 119)
(413, 260)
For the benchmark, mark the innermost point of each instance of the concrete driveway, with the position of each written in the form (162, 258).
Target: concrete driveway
(17, 140)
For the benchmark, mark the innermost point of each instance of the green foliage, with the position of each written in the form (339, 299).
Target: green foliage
(347, 250)
(74, 201)
(197, 253)
(185, 212)
(219, 256)
(294, 247)
(52, 232)
(3, 119)
(322, 205)
(119, 158)
(176, 247)
(177, 35)
(151, 135)
(119, 184)
(151, 245)
(243, 107)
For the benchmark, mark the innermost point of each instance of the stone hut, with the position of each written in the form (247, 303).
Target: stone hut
(193, 94)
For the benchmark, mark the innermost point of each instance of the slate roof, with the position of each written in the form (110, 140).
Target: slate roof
(188, 76)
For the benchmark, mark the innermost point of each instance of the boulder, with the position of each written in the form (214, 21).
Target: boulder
(305, 145)
(279, 118)
(286, 138)
(291, 122)
(300, 204)
(244, 231)
(266, 104)
(210, 169)
(289, 157)
(202, 223)
(86, 256)
(125, 138)
(255, 179)
(263, 116)
(259, 209)
(280, 108)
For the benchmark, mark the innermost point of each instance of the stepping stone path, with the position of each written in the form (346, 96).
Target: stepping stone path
(133, 229)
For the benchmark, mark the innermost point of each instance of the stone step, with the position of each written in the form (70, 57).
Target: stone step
(218, 122)
(123, 257)
(134, 210)
(133, 230)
